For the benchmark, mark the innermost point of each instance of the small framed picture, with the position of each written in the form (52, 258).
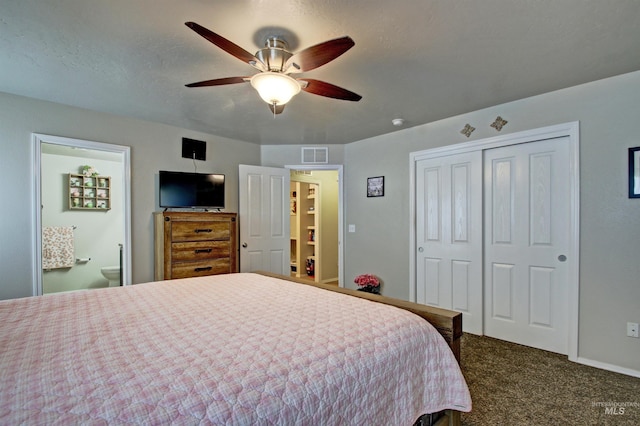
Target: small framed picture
(375, 186)
(634, 172)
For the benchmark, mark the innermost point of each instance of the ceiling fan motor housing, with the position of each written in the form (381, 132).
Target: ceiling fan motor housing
(275, 54)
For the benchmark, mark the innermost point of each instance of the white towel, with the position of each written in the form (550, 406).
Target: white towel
(57, 247)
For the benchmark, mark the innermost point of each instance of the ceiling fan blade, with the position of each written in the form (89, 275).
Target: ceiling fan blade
(226, 45)
(318, 55)
(276, 109)
(329, 90)
(219, 82)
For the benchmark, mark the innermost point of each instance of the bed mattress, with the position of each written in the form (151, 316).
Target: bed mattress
(237, 349)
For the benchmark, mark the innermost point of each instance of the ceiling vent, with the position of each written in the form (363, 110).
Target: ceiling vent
(315, 155)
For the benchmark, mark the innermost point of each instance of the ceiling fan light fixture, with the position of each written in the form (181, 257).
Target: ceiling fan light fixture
(275, 88)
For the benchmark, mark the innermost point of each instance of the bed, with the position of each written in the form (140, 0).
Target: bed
(235, 349)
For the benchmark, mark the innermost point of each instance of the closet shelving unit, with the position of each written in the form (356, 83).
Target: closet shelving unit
(305, 239)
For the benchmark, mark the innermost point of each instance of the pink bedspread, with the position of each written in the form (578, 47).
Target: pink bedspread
(238, 349)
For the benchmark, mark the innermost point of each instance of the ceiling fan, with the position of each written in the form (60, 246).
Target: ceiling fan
(275, 63)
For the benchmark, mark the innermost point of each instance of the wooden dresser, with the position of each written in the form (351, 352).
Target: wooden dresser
(193, 244)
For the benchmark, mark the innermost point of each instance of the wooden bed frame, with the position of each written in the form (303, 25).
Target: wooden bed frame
(448, 323)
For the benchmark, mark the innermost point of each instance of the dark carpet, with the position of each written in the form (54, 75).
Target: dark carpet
(512, 384)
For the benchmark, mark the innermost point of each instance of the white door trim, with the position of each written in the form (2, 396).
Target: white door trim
(570, 130)
(339, 169)
(37, 141)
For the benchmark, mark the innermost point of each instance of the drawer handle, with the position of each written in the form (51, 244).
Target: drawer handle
(203, 230)
(203, 250)
(206, 268)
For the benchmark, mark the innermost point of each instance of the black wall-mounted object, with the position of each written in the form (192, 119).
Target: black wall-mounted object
(194, 149)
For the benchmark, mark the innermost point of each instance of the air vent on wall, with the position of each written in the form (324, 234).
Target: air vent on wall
(315, 155)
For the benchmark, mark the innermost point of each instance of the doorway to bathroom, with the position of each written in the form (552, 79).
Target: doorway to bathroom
(83, 224)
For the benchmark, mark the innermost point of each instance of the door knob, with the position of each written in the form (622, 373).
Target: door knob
(420, 249)
(562, 258)
(244, 245)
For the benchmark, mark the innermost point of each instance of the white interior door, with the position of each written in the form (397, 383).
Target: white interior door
(527, 243)
(264, 219)
(449, 235)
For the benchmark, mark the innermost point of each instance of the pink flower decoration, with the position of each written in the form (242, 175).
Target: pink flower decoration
(367, 280)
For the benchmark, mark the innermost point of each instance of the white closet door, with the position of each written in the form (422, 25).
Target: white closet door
(449, 235)
(527, 240)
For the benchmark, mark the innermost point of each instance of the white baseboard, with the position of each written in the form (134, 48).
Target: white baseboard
(608, 367)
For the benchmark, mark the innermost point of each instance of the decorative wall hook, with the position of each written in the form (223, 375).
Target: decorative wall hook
(468, 129)
(499, 123)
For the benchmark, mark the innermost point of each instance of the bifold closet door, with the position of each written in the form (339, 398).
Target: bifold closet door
(527, 240)
(449, 235)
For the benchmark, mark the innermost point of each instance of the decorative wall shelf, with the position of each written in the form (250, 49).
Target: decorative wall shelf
(89, 192)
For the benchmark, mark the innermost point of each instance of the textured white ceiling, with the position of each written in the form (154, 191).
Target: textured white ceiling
(421, 60)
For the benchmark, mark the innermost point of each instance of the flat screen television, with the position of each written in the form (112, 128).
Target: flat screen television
(191, 190)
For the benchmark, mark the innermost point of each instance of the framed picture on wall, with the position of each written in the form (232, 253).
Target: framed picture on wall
(375, 186)
(634, 172)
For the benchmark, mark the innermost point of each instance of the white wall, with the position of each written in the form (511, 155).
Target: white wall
(608, 111)
(153, 147)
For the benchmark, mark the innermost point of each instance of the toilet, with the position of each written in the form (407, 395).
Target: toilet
(112, 273)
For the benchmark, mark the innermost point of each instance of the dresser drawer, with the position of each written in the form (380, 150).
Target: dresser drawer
(200, 231)
(199, 250)
(191, 244)
(201, 268)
